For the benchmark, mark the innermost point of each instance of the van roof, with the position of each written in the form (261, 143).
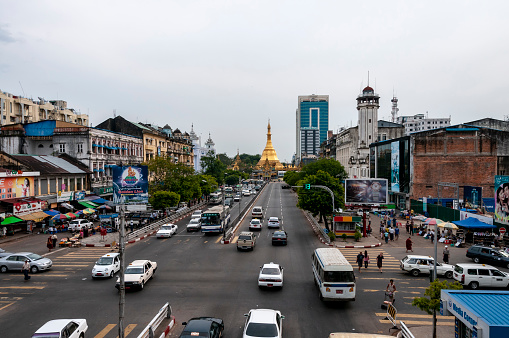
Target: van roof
(332, 259)
(474, 265)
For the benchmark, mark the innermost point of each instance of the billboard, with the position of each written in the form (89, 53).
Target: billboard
(472, 197)
(502, 198)
(366, 191)
(395, 166)
(13, 187)
(130, 184)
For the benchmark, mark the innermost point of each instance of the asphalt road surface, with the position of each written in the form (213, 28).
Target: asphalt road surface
(199, 276)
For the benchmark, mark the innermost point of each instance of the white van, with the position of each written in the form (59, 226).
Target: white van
(333, 275)
(480, 275)
(257, 212)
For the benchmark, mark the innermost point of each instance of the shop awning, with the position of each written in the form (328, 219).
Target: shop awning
(34, 216)
(87, 204)
(11, 220)
(99, 200)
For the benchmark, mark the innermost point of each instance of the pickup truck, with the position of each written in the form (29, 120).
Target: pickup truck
(137, 274)
(78, 224)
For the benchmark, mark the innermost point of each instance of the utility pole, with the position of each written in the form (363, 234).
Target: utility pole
(121, 303)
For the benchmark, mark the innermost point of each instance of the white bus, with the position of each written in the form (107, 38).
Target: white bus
(333, 275)
(215, 219)
(216, 198)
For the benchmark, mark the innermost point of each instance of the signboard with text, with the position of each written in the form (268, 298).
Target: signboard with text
(25, 208)
(14, 187)
(130, 184)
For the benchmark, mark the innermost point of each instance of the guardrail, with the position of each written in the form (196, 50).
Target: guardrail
(164, 312)
(405, 331)
(317, 226)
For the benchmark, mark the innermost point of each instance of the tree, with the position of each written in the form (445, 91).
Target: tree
(329, 165)
(161, 200)
(213, 167)
(318, 201)
(431, 300)
(292, 177)
(224, 159)
(208, 184)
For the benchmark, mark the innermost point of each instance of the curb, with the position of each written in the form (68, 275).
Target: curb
(168, 328)
(350, 246)
(88, 245)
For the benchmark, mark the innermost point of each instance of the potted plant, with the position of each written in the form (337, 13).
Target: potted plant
(357, 235)
(331, 235)
(344, 236)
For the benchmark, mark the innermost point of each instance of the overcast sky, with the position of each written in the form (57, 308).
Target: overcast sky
(229, 66)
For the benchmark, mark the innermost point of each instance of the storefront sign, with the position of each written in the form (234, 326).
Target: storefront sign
(25, 208)
(13, 187)
(130, 184)
(103, 190)
(65, 196)
(19, 173)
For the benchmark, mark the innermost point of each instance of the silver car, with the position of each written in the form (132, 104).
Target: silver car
(15, 262)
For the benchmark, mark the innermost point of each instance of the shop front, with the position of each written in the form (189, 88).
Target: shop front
(478, 313)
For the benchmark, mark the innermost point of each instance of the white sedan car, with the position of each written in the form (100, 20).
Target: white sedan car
(271, 275)
(255, 224)
(59, 328)
(263, 323)
(167, 230)
(273, 222)
(194, 224)
(107, 265)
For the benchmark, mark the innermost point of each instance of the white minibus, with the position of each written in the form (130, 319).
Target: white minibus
(333, 275)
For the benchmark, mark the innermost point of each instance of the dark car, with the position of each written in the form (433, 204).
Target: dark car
(285, 186)
(208, 327)
(484, 254)
(279, 237)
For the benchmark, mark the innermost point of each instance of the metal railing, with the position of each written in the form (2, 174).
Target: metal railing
(164, 312)
(405, 331)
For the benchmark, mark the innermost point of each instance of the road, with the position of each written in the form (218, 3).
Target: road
(199, 276)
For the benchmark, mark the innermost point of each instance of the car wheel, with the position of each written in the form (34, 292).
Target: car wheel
(82, 335)
(474, 285)
(3, 269)
(142, 285)
(111, 274)
(34, 269)
(448, 274)
(415, 273)
(476, 260)
(507, 265)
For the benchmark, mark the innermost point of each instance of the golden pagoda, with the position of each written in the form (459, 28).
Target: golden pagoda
(236, 163)
(269, 160)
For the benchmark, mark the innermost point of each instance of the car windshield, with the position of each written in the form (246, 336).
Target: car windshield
(34, 257)
(255, 221)
(166, 227)
(338, 276)
(134, 270)
(47, 335)
(458, 269)
(273, 220)
(270, 271)
(194, 221)
(105, 261)
(245, 237)
(261, 330)
(279, 234)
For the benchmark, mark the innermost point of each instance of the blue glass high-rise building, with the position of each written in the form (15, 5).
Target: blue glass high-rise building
(312, 125)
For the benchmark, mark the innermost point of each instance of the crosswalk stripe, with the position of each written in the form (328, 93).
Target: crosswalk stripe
(235, 239)
(23, 287)
(105, 331)
(128, 329)
(219, 239)
(5, 306)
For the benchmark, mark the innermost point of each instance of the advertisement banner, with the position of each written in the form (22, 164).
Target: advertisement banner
(79, 195)
(13, 187)
(130, 184)
(501, 198)
(366, 191)
(472, 197)
(25, 208)
(395, 166)
(65, 196)
(464, 215)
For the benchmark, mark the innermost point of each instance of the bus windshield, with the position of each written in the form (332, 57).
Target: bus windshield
(210, 219)
(338, 276)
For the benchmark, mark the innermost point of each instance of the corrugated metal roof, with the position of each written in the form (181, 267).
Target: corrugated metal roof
(492, 307)
(48, 164)
(139, 125)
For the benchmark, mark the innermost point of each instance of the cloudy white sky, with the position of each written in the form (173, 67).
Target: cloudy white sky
(227, 66)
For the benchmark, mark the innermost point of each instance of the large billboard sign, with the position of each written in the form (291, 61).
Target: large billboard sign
(130, 184)
(13, 187)
(395, 166)
(472, 197)
(366, 191)
(502, 198)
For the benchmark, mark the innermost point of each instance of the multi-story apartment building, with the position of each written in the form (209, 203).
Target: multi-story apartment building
(17, 109)
(421, 122)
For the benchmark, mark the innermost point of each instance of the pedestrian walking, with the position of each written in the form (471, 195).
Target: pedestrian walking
(382, 230)
(25, 269)
(391, 234)
(379, 260)
(132, 225)
(396, 233)
(360, 260)
(103, 233)
(366, 259)
(407, 227)
(446, 255)
(49, 243)
(54, 238)
(412, 227)
(409, 244)
(386, 235)
(4, 232)
(432, 236)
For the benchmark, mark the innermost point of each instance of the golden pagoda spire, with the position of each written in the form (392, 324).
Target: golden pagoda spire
(269, 153)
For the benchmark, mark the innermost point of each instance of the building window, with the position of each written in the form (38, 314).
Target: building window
(80, 147)
(61, 148)
(40, 146)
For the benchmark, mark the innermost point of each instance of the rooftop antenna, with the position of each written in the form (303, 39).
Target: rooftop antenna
(22, 89)
(368, 78)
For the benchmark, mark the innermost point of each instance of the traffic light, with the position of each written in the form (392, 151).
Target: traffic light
(307, 186)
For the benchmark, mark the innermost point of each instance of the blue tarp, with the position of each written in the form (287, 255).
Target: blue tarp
(99, 200)
(473, 223)
(43, 128)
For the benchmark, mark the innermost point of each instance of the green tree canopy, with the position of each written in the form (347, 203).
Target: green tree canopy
(161, 200)
(213, 167)
(329, 165)
(318, 201)
(292, 177)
